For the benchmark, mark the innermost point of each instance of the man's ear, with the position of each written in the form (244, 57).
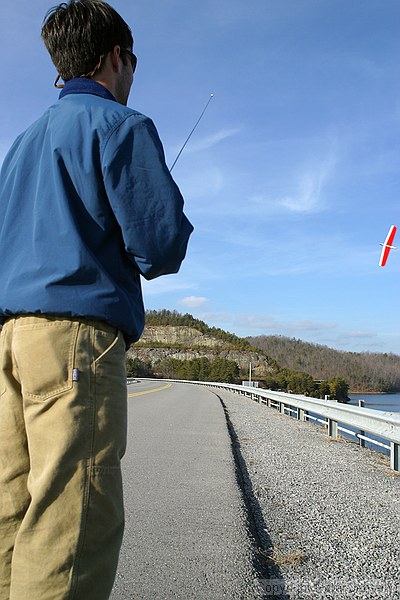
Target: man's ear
(115, 58)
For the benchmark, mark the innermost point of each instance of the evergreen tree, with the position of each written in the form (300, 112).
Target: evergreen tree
(138, 368)
(339, 389)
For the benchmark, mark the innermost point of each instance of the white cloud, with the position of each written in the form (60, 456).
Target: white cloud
(207, 142)
(358, 334)
(215, 318)
(203, 183)
(309, 326)
(268, 324)
(310, 185)
(193, 301)
(164, 285)
(201, 144)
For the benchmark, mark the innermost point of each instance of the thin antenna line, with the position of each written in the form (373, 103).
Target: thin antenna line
(190, 134)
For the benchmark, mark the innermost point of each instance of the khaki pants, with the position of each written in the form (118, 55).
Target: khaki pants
(63, 402)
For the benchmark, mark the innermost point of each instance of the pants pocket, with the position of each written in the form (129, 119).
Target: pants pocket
(45, 354)
(104, 342)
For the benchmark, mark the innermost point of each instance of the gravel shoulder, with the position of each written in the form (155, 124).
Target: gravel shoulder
(328, 512)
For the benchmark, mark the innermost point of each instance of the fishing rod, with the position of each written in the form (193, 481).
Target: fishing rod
(190, 134)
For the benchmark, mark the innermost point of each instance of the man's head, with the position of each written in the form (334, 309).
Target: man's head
(83, 36)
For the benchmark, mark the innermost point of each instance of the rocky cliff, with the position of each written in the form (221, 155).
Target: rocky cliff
(187, 343)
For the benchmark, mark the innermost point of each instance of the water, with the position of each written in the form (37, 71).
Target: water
(387, 402)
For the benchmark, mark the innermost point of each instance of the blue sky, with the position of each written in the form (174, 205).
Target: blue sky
(291, 178)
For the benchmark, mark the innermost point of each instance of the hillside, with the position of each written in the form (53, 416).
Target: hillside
(183, 343)
(178, 345)
(181, 347)
(373, 372)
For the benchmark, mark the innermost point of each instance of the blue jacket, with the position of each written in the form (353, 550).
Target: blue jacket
(87, 205)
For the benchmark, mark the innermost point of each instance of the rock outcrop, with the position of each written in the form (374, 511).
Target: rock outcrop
(187, 343)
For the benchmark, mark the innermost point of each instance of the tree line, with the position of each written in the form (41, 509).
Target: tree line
(364, 371)
(227, 371)
(296, 382)
(197, 369)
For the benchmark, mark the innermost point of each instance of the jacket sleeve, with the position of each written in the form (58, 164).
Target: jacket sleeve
(145, 199)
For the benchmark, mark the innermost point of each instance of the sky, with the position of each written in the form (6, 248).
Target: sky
(291, 178)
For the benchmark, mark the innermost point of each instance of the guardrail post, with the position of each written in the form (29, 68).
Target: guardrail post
(282, 407)
(332, 428)
(301, 414)
(361, 441)
(395, 456)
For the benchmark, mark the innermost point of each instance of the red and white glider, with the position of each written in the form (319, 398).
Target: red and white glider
(388, 245)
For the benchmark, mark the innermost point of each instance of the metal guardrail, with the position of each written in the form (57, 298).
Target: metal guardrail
(380, 423)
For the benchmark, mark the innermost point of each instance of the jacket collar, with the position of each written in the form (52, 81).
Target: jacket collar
(82, 85)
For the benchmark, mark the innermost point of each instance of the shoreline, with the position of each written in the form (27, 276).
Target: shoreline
(373, 393)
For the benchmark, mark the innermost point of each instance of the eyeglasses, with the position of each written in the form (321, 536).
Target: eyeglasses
(132, 57)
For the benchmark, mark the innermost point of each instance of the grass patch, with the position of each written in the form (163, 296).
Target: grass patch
(286, 559)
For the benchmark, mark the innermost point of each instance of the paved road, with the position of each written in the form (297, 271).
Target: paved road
(186, 534)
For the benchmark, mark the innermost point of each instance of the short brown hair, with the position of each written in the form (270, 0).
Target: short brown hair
(78, 33)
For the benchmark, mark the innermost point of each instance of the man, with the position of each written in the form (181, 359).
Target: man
(87, 205)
